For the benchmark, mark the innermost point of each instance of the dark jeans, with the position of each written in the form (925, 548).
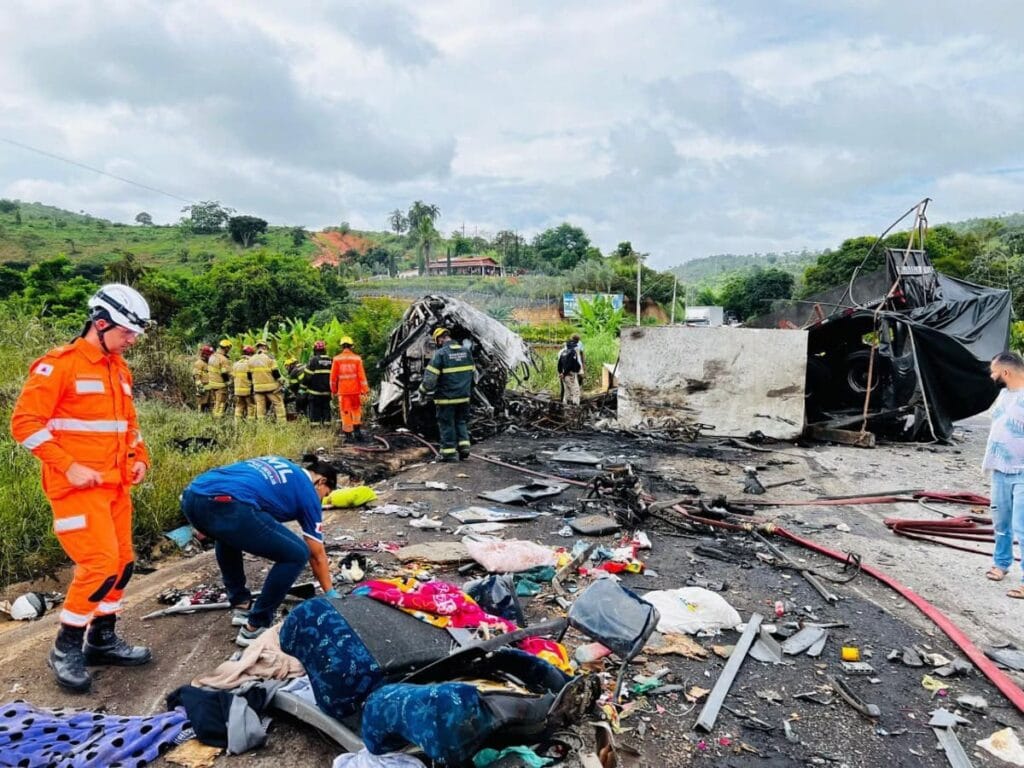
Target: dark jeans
(453, 424)
(318, 408)
(239, 528)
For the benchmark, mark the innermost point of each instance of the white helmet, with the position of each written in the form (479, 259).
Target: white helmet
(120, 305)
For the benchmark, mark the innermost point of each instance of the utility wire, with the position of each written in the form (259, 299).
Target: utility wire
(94, 170)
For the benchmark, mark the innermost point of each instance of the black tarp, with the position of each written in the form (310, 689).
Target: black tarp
(932, 361)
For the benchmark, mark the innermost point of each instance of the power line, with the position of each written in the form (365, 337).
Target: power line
(94, 170)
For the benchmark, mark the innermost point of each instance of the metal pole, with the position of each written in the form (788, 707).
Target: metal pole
(639, 270)
(675, 283)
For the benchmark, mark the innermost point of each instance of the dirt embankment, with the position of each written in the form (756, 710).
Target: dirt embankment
(332, 246)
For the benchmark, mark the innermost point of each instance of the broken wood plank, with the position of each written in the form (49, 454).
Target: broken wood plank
(841, 436)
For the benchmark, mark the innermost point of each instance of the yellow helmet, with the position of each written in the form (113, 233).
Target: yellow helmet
(225, 343)
(290, 361)
(347, 341)
(438, 333)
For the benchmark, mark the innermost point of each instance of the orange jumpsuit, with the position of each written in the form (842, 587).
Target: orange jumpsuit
(348, 382)
(76, 406)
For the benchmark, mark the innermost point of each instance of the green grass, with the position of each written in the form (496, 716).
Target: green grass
(599, 349)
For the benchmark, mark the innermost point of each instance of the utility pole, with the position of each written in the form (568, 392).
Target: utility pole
(675, 283)
(639, 270)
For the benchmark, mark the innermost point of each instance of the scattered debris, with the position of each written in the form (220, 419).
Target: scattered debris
(492, 515)
(804, 640)
(523, 494)
(1005, 745)
(840, 686)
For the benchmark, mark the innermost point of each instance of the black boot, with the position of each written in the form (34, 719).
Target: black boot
(357, 435)
(67, 660)
(103, 646)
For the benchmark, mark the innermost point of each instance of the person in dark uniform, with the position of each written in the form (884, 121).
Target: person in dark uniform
(448, 381)
(316, 384)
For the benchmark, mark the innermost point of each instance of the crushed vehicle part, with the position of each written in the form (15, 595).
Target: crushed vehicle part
(767, 649)
(870, 711)
(1011, 658)
(804, 640)
(751, 482)
(679, 374)
(594, 525)
(857, 668)
(709, 714)
(936, 335)
(953, 748)
(492, 515)
(498, 353)
(523, 494)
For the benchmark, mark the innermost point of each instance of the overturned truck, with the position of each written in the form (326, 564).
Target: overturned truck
(499, 353)
(906, 346)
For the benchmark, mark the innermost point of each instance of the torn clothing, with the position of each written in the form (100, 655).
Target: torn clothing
(449, 377)
(262, 660)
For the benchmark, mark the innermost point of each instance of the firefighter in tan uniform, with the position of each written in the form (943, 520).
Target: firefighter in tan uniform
(77, 416)
(245, 407)
(266, 383)
(218, 374)
(201, 379)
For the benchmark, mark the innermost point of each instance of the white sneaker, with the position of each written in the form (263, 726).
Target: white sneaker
(239, 617)
(247, 636)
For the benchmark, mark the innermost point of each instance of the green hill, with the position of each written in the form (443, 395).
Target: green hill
(36, 232)
(713, 270)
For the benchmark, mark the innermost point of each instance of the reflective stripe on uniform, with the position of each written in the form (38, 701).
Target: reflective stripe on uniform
(447, 450)
(108, 607)
(459, 369)
(432, 369)
(88, 425)
(37, 438)
(65, 524)
(74, 619)
(464, 442)
(455, 401)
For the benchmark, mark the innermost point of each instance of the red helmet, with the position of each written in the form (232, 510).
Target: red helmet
(319, 346)
(248, 350)
(206, 350)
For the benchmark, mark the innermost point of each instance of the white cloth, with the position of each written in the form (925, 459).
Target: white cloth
(363, 759)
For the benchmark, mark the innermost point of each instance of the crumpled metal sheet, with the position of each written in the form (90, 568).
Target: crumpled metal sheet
(499, 354)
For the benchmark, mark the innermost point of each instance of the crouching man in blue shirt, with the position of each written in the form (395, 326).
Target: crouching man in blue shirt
(242, 507)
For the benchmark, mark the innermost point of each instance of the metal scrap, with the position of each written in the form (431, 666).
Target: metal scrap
(870, 711)
(709, 714)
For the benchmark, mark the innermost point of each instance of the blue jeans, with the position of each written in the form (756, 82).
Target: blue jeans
(1007, 515)
(237, 528)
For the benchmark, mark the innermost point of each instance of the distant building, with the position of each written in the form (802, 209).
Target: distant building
(472, 265)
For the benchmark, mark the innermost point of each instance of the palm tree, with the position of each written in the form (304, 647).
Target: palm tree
(426, 235)
(419, 211)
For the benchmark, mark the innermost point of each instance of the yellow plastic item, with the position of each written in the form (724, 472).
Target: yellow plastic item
(850, 653)
(356, 496)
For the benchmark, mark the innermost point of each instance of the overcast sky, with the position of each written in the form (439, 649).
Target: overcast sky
(688, 128)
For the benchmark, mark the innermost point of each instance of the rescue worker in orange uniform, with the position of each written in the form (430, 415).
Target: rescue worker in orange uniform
(76, 415)
(348, 382)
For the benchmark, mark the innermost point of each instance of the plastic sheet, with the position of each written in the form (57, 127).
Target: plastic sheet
(497, 595)
(692, 609)
(616, 617)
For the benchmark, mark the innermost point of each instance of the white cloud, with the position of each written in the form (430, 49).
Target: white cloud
(687, 129)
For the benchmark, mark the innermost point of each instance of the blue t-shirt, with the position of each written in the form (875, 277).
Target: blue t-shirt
(275, 485)
(1005, 449)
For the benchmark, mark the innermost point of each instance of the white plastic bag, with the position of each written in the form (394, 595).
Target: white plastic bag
(690, 610)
